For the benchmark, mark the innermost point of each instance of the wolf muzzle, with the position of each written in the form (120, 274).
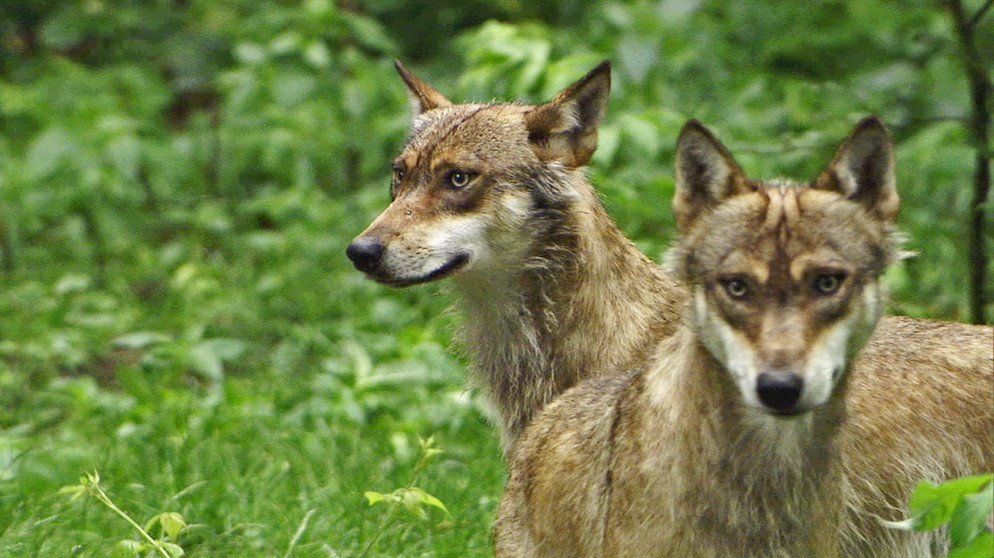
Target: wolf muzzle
(779, 390)
(366, 254)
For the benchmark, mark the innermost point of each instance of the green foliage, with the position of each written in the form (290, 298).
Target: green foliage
(170, 524)
(965, 504)
(410, 498)
(179, 180)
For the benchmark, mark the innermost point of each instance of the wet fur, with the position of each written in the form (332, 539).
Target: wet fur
(579, 300)
(549, 266)
(666, 462)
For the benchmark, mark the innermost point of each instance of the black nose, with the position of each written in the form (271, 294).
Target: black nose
(779, 390)
(365, 254)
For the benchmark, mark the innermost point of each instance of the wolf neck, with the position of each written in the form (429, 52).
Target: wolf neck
(585, 301)
(777, 476)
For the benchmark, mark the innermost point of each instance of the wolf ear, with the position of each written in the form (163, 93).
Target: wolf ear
(706, 174)
(863, 169)
(565, 128)
(422, 96)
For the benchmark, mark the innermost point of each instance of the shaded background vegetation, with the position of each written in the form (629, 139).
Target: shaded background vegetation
(179, 180)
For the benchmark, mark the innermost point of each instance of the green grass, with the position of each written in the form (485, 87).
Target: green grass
(245, 464)
(259, 390)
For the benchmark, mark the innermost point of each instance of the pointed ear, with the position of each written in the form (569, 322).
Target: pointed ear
(565, 128)
(706, 175)
(863, 169)
(422, 96)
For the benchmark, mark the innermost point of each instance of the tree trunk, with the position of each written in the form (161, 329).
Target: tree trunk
(979, 127)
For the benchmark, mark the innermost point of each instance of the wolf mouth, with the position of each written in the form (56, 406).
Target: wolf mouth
(786, 414)
(446, 269)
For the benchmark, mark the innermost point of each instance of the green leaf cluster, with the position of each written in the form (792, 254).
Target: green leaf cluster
(413, 499)
(171, 524)
(965, 504)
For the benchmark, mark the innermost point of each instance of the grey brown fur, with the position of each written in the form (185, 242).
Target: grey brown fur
(552, 268)
(559, 295)
(671, 462)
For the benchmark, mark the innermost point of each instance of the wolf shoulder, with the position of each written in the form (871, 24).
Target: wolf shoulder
(904, 342)
(560, 463)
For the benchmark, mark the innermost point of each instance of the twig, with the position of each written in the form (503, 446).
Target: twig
(92, 484)
(299, 533)
(980, 13)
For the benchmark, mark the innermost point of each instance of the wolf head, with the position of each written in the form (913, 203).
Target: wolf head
(472, 178)
(784, 277)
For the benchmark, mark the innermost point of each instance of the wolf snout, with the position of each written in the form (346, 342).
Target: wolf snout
(365, 253)
(780, 391)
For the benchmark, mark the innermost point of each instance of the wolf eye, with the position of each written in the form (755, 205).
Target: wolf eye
(459, 179)
(828, 283)
(398, 174)
(736, 288)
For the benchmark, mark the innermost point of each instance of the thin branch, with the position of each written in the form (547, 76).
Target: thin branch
(980, 13)
(299, 533)
(92, 484)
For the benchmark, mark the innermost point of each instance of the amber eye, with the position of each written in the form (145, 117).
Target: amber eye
(828, 283)
(736, 288)
(459, 179)
(398, 174)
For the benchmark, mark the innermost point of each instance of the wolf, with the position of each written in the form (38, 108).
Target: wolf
(493, 197)
(731, 441)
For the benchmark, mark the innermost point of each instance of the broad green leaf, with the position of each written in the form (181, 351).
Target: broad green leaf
(173, 549)
(226, 349)
(171, 522)
(124, 153)
(65, 29)
(15, 99)
(292, 88)
(141, 339)
(72, 283)
(430, 500)
(373, 497)
(608, 139)
(208, 357)
(47, 152)
(638, 55)
(206, 362)
(250, 53)
(932, 505)
(75, 491)
(969, 518)
(411, 499)
(285, 43)
(128, 549)
(642, 132)
(980, 547)
(317, 54)
(369, 32)
(432, 452)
